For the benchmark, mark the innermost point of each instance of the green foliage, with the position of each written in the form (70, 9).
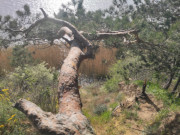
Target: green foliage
(120, 97)
(11, 120)
(170, 104)
(107, 100)
(34, 83)
(21, 56)
(114, 105)
(161, 115)
(122, 70)
(99, 109)
(103, 118)
(26, 11)
(159, 28)
(168, 99)
(130, 114)
(153, 128)
(111, 84)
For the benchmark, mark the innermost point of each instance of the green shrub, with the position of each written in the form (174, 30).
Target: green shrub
(35, 83)
(98, 119)
(99, 109)
(112, 84)
(11, 120)
(170, 102)
(130, 114)
(105, 116)
(120, 97)
(153, 129)
(114, 105)
(107, 100)
(168, 99)
(122, 70)
(21, 56)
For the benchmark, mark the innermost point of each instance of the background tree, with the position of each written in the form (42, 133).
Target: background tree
(156, 43)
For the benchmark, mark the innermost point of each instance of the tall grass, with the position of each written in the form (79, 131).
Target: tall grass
(4, 59)
(55, 55)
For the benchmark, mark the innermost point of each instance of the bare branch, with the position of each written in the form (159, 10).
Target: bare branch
(49, 124)
(75, 32)
(102, 35)
(33, 112)
(26, 31)
(44, 13)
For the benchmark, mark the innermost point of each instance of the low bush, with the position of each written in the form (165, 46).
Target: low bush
(107, 100)
(130, 114)
(122, 70)
(170, 104)
(36, 83)
(113, 105)
(103, 118)
(99, 109)
(120, 97)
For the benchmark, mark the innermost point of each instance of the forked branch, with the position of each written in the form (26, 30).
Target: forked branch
(70, 119)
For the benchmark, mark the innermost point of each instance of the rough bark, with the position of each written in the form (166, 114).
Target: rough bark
(176, 85)
(70, 119)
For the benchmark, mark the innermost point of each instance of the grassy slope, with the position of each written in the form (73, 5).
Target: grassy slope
(139, 119)
(142, 118)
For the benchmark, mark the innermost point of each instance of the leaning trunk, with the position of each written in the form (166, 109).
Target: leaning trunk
(144, 87)
(176, 85)
(70, 119)
(68, 92)
(169, 82)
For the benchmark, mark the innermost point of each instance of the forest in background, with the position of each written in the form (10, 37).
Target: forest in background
(148, 59)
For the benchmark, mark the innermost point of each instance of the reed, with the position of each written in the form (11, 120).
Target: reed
(5, 59)
(54, 56)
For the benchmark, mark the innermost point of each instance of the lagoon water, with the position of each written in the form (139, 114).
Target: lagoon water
(50, 6)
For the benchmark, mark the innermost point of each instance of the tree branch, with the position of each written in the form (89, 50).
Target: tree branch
(44, 13)
(46, 122)
(32, 111)
(102, 35)
(26, 31)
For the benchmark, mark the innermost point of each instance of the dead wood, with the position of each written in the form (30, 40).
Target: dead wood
(69, 120)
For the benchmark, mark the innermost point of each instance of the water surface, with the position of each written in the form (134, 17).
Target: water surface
(50, 6)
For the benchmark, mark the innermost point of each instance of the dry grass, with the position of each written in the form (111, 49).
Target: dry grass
(55, 55)
(5, 59)
(101, 124)
(99, 66)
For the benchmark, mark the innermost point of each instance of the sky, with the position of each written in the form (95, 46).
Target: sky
(50, 6)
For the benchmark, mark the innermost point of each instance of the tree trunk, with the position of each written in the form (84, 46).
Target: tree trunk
(169, 82)
(144, 87)
(69, 120)
(176, 85)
